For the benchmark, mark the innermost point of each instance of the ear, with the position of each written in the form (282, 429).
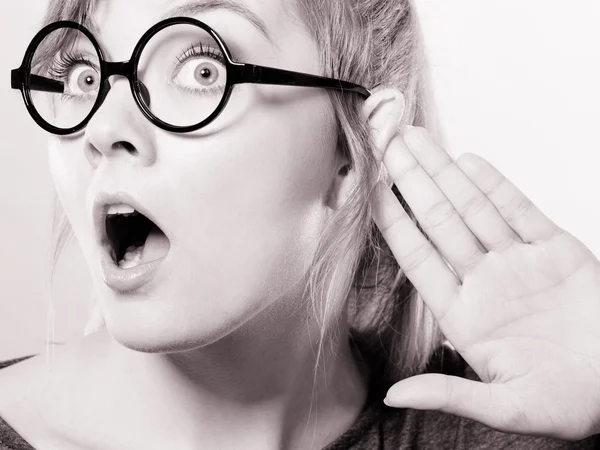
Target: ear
(383, 110)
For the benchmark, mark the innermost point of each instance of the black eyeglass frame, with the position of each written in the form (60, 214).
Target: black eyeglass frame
(237, 73)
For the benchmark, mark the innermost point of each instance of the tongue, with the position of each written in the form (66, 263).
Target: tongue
(157, 245)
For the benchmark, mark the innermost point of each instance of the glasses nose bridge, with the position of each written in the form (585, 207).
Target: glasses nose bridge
(123, 68)
(126, 69)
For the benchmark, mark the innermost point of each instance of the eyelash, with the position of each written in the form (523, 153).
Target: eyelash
(194, 51)
(61, 66)
(65, 62)
(198, 49)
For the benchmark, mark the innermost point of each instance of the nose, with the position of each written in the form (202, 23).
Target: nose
(118, 129)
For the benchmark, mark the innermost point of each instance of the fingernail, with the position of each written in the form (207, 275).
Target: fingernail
(418, 140)
(471, 162)
(391, 403)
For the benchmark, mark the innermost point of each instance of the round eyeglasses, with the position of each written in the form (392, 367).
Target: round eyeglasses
(181, 75)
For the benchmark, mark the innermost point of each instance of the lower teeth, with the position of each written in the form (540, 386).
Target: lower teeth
(131, 258)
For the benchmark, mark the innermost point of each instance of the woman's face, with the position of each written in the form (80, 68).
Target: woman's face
(242, 201)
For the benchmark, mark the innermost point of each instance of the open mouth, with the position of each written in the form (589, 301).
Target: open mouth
(134, 239)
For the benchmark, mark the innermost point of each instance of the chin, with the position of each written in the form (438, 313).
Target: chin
(165, 335)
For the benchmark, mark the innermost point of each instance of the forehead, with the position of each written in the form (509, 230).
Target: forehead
(119, 24)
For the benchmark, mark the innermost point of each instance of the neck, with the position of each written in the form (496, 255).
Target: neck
(258, 385)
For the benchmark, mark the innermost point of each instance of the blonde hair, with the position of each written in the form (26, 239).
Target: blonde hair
(376, 44)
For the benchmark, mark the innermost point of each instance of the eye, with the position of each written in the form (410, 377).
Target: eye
(79, 72)
(200, 74)
(83, 80)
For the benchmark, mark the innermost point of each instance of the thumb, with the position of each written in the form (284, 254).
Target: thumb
(487, 403)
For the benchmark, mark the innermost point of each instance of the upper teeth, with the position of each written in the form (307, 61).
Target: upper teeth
(120, 209)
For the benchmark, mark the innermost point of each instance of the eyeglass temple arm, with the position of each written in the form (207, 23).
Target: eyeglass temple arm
(251, 73)
(36, 82)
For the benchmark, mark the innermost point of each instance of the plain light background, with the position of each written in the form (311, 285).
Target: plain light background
(516, 82)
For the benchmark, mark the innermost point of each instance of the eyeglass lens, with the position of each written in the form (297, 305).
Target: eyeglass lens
(68, 56)
(181, 69)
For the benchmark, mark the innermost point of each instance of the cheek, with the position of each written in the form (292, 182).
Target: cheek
(71, 175)
(254, 202)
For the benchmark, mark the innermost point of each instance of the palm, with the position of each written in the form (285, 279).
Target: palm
(523, 326)
(521, 301)
(520, 295)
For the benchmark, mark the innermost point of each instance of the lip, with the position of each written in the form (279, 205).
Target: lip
(118, 279)
(127, 280)
(102, 203)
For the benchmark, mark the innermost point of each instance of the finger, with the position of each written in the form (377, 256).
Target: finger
(487, 403)
(475, 209)
(417, 257)
(432, 209)
(530, 224)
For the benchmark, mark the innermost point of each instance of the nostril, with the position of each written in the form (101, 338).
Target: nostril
(126, 145)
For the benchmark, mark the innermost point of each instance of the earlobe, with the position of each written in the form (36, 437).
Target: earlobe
(340, 187)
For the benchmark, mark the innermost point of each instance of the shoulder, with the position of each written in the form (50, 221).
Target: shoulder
(14, 407)
(33, 400)
(15, 375)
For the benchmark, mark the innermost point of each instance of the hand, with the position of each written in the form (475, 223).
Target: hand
(521, 304)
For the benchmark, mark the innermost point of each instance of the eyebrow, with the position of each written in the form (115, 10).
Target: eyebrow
(193, 8)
